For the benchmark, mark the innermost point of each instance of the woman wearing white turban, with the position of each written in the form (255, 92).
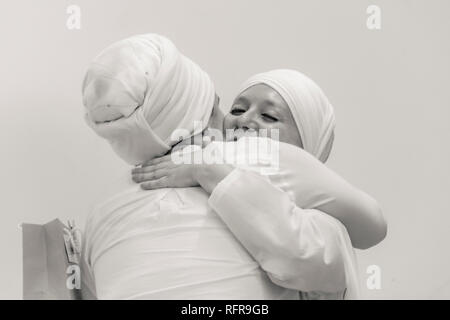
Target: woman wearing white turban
(139, 90)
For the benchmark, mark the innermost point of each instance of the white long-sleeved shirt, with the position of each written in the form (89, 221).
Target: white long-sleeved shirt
(169, 244)
(301, 249)
(272, 214)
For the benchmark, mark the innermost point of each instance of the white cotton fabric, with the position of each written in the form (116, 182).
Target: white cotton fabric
(139, 90)
(312, 112)
(299, 185)
(170, 244)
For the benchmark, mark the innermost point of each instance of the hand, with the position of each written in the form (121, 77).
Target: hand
(163, 173)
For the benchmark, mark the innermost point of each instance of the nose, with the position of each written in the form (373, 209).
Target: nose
(247, 120)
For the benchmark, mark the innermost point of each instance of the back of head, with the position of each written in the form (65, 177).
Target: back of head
(312, 112)
(139, 90)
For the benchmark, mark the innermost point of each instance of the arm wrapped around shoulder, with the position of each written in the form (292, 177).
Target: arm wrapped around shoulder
(312, 185)
(305, 250)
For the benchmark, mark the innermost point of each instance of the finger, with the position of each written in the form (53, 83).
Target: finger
(145, 169)
(158, 160)
(151, 175)
(154, 167)
(155, 184)
(154, 164)
(142, 170)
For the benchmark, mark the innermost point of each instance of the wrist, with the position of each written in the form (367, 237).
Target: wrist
(209, 176)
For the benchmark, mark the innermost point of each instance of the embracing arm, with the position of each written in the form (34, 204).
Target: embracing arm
(311, 184)
(361, 215)
(299, 249)
(308, 182)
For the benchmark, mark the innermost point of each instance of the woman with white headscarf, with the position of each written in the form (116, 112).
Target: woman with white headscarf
(310, 109)
(263, 213)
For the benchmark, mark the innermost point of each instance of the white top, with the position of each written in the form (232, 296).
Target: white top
(170, 244)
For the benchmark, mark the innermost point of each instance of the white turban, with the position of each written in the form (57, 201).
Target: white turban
(139, 90)
(312, 112)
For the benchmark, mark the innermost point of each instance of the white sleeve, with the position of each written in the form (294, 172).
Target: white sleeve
(299, 249)
(311, 185)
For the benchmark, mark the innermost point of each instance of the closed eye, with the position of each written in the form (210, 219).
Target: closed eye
(270, 118)
(237, 111)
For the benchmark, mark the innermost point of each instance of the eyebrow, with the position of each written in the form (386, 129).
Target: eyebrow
(274, 106)
(241, 99)
(269, 103)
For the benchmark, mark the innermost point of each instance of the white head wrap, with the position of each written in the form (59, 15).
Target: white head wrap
(138, 91)
(309, 106)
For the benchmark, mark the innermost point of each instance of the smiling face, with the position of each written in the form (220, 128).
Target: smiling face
(261, 107)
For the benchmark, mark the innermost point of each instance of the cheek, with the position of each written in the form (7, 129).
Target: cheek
(275, 126)
(284, 132)
(290, 134)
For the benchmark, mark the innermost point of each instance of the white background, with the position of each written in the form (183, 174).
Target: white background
(389, 87)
